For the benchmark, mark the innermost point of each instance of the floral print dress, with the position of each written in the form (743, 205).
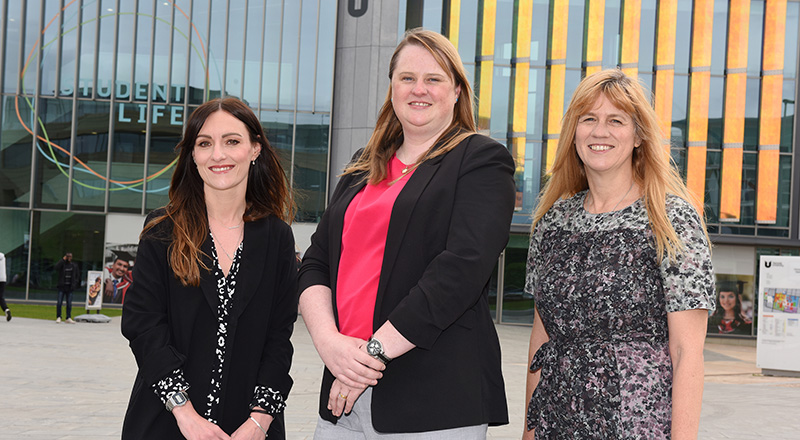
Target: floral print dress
(603, 299)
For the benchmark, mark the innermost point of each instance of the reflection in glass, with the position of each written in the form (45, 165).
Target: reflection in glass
(252, 53)
(784, 190)
(499, 124)
(754, 39)
(32, 27)
(541, 14)
(307, 61)
(55, 234)
(234, 57)
(47, 59)
(647, 36)
(197, 63)
(787, 116)
(751, 112)
(749, 180)
(468, 30)
(326, 41)
(790, 47)
(575, 31)
(715, 108)
(611, 34)
(69, 52)
(164, 137)
(517, 305)
(91, 148)
(53, 158)
(680, 99)
(216, 48)
(571, 80)
(432, 16)
(145, 20)
(127, 161)
(503, 33)
(272, 53)
(15, 157)
(105, 56)
(171, 24)
(683, 37)
(88, 50)
(14, 242)
(713, 179)
(279, 129)
(310, 171)
(536, 95)
(288, 66)
(12, 36)
(127, 60)
(719, 38)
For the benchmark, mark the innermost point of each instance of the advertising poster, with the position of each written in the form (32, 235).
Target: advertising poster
(94, 290)
(733, 312)
(119, 262)
(778, 318)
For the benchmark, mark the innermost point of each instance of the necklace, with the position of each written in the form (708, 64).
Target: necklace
(238, 225)
(620, 200)
(223, 249)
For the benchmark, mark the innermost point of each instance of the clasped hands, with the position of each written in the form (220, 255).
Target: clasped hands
(353, 368)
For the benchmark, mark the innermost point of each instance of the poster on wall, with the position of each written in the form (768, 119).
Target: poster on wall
(94, 286)
(119, 262)
(778, 318)
(733, 312)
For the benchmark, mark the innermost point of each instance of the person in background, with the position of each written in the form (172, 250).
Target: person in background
(3, 279)
(215, 299)
(117, 283)
(68, 281)
(620, 270)
(395, 282)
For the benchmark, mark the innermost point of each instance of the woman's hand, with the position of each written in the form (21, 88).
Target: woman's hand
(250, 431)
(342, 398)
(195, 427)
(349, 361)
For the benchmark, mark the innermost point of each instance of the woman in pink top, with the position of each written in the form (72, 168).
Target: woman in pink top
(394, 288)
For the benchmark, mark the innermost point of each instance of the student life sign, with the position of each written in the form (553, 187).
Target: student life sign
(137, 112)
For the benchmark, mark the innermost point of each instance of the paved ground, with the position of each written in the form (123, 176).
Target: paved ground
(72, 382)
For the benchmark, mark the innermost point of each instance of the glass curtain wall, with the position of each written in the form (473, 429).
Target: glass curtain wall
(723, 76)
(94, 95)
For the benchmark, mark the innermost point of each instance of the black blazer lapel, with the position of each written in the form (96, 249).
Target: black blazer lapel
(398, 223)
(251, 264)
(207, 283)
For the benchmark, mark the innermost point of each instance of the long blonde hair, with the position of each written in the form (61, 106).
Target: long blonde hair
(388, 134)
(653, 169)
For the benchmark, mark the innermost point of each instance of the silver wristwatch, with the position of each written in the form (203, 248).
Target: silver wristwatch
(178, 398)
(375, 349)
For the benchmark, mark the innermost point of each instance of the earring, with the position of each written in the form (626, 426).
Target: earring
(456, 98)
(253, 163)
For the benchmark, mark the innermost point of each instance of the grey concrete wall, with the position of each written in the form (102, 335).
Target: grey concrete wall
(364, 46)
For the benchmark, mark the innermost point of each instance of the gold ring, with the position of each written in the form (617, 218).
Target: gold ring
(342, 396)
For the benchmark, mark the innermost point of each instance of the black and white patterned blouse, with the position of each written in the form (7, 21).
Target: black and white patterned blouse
(263, 396)
(604, 298)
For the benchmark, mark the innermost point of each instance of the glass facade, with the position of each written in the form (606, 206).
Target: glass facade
(95, 94)
(723, 77)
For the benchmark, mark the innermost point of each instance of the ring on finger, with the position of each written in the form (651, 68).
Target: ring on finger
(342, 396)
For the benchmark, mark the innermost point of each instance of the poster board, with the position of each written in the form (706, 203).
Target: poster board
(778, 318)
(94, 290)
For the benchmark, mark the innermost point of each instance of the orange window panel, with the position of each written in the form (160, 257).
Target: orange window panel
(697, 135)
(631, 22)
(730, 204)
(523, 18)
(555, 77)
(665, 63)
(770, 117)
(594, 36)
(485, 62)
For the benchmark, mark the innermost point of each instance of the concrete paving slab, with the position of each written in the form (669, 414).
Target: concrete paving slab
(72, 381)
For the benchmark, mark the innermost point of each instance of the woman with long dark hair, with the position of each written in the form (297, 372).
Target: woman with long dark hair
(728, 317)
(214, 303)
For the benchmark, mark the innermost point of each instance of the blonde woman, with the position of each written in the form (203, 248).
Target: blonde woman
(619, 266)
(395, 283)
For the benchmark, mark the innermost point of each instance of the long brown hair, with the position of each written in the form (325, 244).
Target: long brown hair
(653, 169)
(267, 191)
(388, 134)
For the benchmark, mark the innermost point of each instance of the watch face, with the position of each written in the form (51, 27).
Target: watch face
(374, 347)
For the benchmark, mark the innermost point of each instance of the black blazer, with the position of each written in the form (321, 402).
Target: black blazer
(170, 325)
(447, 228)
